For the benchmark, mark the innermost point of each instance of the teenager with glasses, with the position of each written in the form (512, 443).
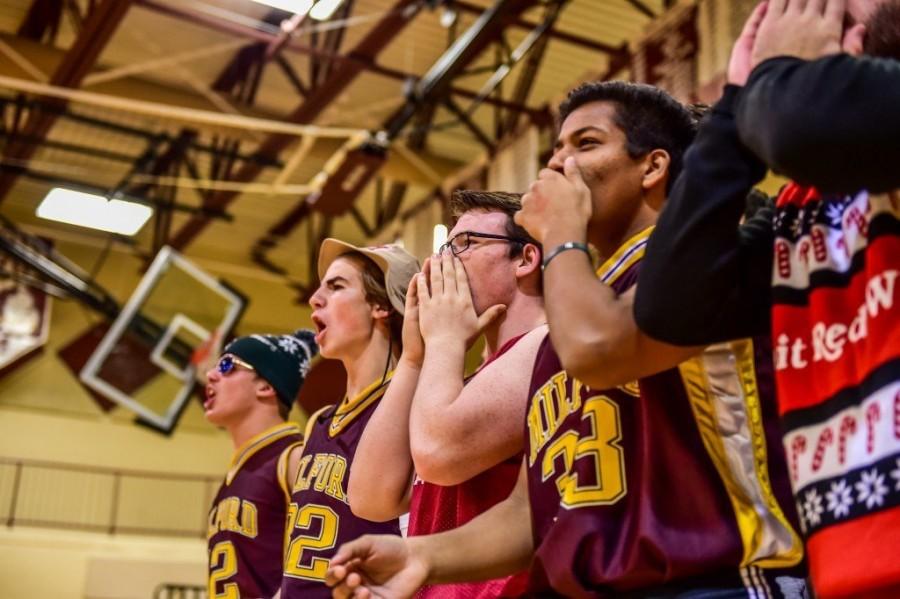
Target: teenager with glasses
(249, 392)
(669, 486)
(358, 313)
(462, 437)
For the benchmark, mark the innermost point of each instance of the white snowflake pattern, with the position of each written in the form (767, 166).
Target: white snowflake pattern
(812, 506)
(265, 341)
(871, 488)
(895, 474)
(288, 344)
(802, 517)
(778, 220)
(797, 225)
(835, 214)
(839, 498)
(816, 212)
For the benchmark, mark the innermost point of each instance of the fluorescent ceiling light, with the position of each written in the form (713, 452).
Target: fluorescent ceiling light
(94, 211)
(323, 9)
(300, 7)
(440, 237)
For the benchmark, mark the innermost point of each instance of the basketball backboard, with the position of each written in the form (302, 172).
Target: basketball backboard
(147, 361)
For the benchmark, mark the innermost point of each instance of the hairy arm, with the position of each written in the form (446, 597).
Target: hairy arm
(832, 122)
(458, 431)
(381, 475)
(593, 329)
(496, 543)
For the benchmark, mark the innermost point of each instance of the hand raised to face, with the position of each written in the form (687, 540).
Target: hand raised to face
(556, 201)
(807, 29)
(446, 311)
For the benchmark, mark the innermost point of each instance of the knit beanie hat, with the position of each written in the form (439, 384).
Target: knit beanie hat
(283, 360)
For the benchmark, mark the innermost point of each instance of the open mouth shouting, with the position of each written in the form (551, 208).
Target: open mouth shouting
(210, 398)
(320, 325)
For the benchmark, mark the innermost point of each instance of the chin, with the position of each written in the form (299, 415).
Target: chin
(213, 418)
(326, 352)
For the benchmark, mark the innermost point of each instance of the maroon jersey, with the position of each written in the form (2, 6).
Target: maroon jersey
(665, 484)
(246, 522)
(435, 508)
(319, 516)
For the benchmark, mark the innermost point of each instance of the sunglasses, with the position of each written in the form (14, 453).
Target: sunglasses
(228, 363)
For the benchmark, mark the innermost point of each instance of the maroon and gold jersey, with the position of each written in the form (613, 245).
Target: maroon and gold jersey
(665, 484)
(319, 517)
(246, 522)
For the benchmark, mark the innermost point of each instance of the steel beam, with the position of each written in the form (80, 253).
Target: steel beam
(570, 38)
(360, 166)
(366, 64)
(642, 8)
(42, 20)
(369, 47)
(96, 32)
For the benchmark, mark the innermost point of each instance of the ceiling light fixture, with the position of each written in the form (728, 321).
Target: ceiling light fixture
(299, 7)
(324, 9)
(94, 211)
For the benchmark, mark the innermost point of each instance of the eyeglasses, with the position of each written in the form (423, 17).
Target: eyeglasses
(461, 241)
(227, 363)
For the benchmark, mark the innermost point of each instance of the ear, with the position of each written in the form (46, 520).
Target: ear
(656, 169)
(380, 312)
(264, 389)
(854, 39)
(529, 261)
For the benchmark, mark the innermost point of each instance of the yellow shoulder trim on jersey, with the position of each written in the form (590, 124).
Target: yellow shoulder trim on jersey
(628, 253)
(311, 422)
(349, 409)
(281, 470)
(257, 442)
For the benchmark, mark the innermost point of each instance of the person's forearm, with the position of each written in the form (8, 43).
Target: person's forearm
(703, 278)
(431, 429)
(381, 474)
(588, 322)
(593, 328)
(497, 543)
(832, 123)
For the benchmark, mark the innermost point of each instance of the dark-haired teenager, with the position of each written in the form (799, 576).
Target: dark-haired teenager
(664, 487)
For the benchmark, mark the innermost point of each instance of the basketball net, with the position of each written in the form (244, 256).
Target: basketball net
(205, 355)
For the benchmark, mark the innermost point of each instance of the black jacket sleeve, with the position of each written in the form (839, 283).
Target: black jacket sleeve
(833, 123)
(705, 278)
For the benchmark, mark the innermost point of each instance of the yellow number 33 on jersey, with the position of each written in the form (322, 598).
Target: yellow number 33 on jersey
(600, 447)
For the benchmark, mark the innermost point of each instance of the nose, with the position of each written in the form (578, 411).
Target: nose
(317, 301)
(212, 373)
(558, 159)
